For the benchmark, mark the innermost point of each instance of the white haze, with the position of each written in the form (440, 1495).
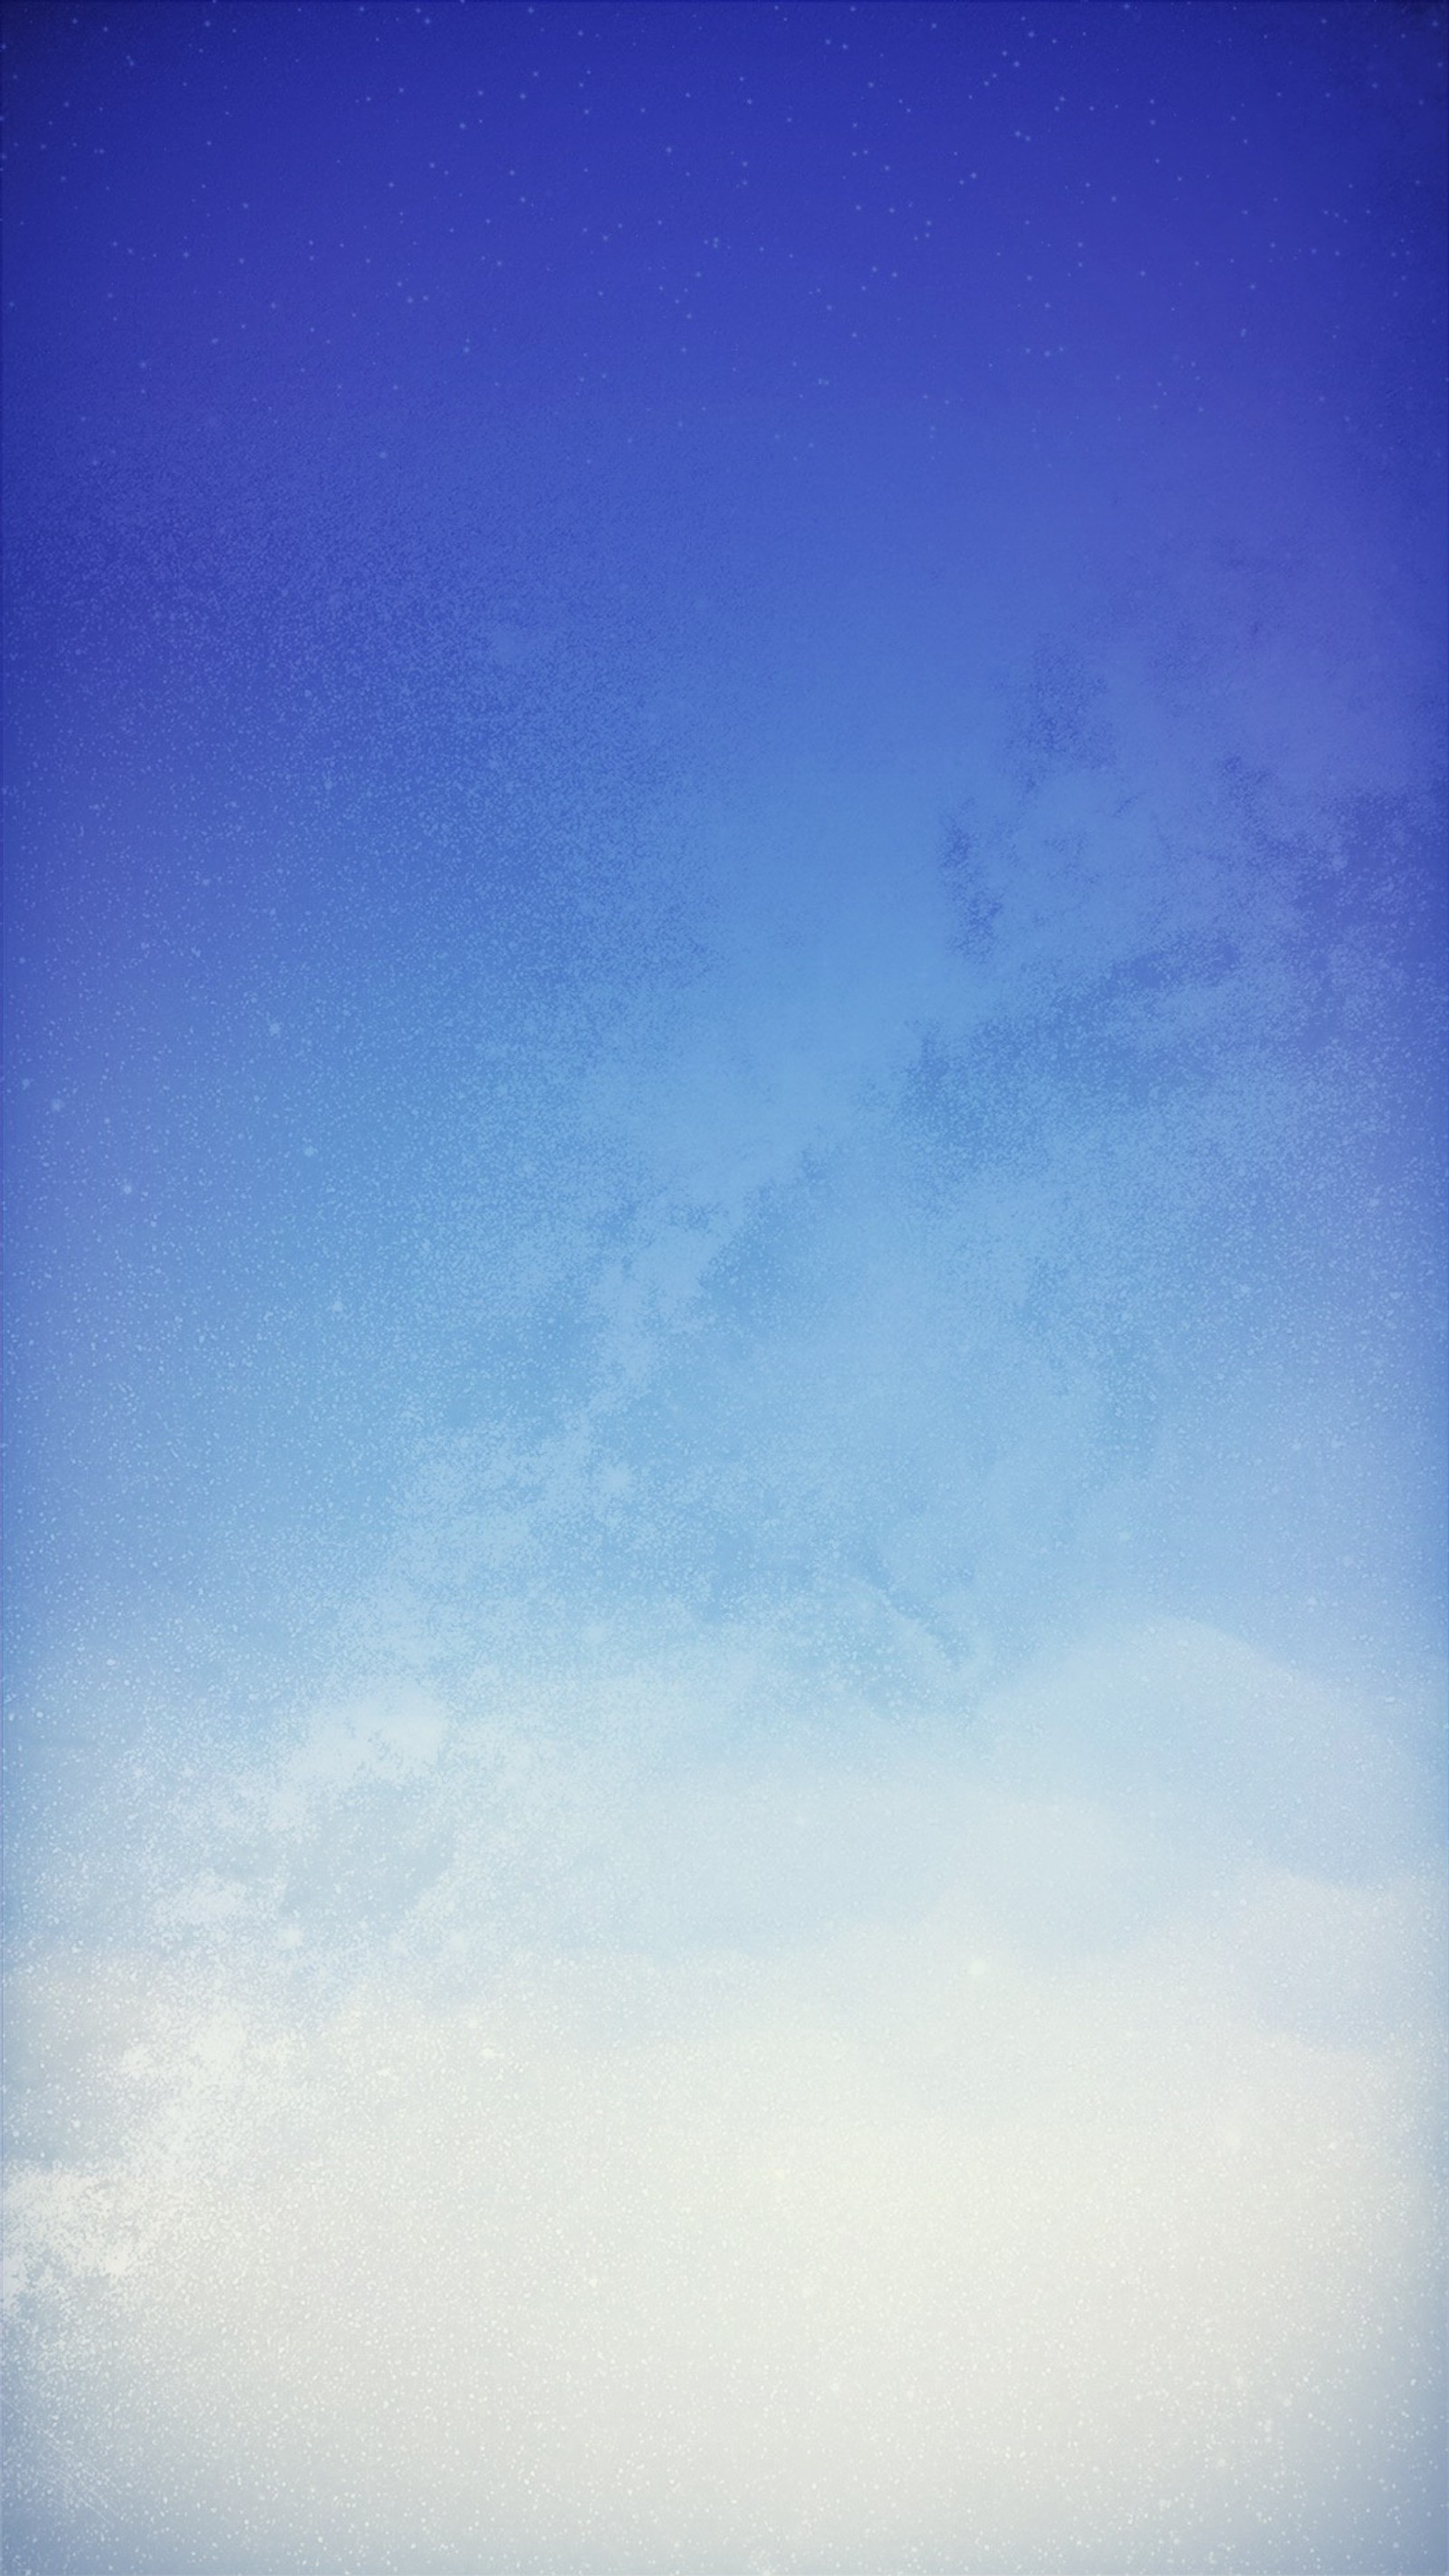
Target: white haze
(989, 2146)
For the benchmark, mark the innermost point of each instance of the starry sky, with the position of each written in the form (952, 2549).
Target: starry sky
(724, 1018)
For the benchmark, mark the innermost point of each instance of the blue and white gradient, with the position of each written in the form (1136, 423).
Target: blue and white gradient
(725, 1526)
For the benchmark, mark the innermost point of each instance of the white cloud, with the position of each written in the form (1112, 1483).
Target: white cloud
(995, 2158)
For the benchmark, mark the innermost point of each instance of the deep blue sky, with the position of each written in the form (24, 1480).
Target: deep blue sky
(475, 473)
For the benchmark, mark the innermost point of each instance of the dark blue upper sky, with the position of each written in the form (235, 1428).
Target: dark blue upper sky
(534, 532)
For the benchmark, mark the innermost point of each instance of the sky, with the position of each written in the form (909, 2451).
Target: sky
(724, 1083)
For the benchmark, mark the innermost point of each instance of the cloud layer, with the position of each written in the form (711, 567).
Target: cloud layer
(1008, 2151)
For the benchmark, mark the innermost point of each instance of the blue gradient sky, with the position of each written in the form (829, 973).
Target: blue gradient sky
(726, 978)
